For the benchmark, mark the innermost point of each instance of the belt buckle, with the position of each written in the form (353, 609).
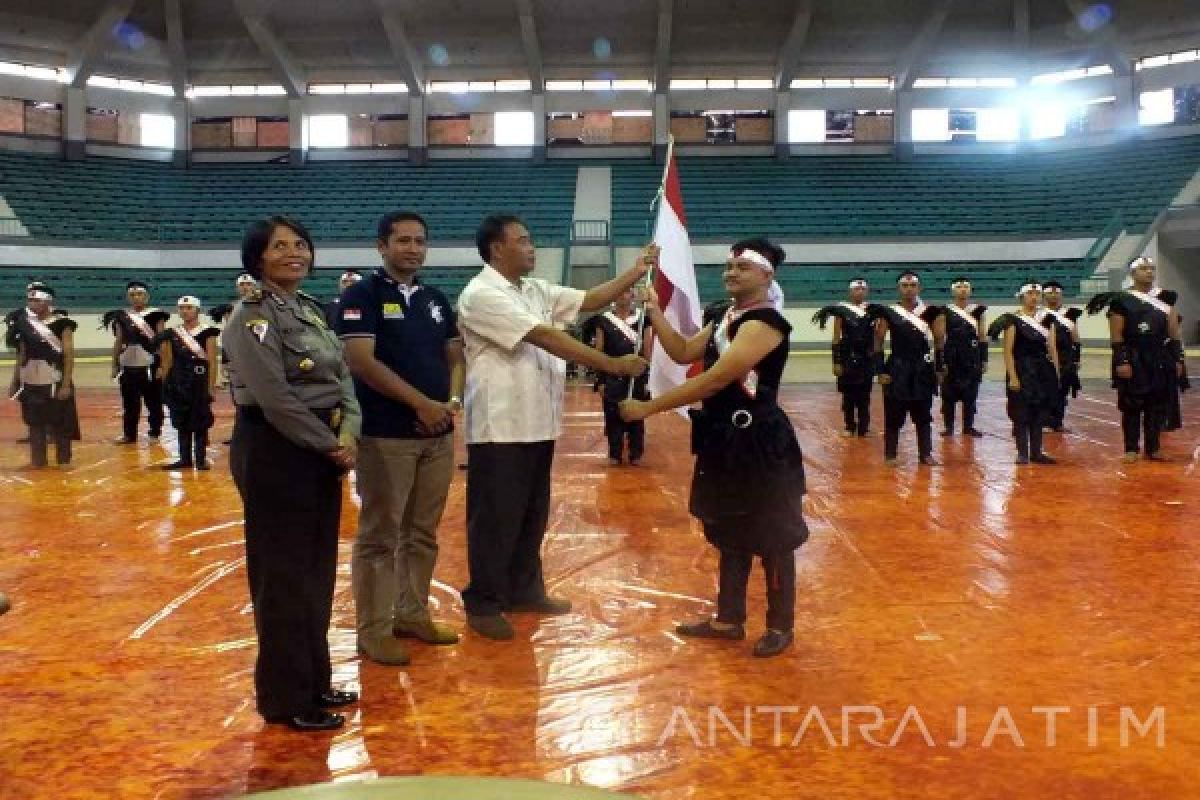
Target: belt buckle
(741, 419)
(200, 370)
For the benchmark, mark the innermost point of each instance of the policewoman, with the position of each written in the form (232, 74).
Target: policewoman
(294, 438)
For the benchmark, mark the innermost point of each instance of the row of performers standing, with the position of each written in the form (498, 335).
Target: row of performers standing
(936, 349)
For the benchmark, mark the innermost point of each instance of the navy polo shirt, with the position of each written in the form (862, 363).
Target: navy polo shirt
(410, 336)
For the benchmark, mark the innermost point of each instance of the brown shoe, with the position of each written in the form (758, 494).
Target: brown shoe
(429, 632)
(550, 606)
(385, 650)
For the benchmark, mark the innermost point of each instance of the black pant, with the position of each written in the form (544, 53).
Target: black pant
(779, 570)
(40, 435)
(856, 407)
(1148, 419)
(197, 440)
(617, 430)
(292, 500)
(1058, 414)
(895, 412)
(968, 395)
(138, 386)
(1028, 420)
(508, 505)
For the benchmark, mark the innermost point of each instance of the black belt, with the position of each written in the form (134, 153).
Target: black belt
(330, 416)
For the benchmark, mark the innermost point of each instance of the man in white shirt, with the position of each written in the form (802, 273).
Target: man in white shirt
(516, 365)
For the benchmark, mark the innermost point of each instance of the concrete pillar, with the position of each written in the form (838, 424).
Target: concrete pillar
(297, 132)
(539, 127)
(1125, 88)
(418, 148)
(902, 126)
(74, 124)
(182, 156)
(783, 104)
(662, 126)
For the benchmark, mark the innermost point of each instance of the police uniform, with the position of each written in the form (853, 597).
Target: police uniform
(295, 404)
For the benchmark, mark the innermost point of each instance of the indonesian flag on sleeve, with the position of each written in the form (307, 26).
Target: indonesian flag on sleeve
(674, 281)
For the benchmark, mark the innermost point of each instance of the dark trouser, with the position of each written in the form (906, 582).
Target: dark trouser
(197, 440)
(508, 505)
(1147, 419)
(138, 386)
(856, 407)
(617, 430)
(40, 435)
(779, 570)
(894, 413)
(1028, 421)
(292, 500)
(952, 395)
(1058, 414)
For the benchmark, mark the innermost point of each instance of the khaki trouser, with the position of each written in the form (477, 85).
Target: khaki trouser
(403, 484)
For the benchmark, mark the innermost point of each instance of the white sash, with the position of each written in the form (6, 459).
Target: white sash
(623, 326)
(139, 322)
(44, 332)
(1061, 316)
(858, 311)
(965, 314)
(749, 383)
(1154, 301)
(914, 319)
(190, 343)
(1036, 325)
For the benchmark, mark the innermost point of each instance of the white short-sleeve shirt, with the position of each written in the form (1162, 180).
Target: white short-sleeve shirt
(514, 389)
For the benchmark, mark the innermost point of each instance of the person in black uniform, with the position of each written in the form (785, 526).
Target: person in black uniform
(1174, 419)
(188, 373)
(909, 376)
(348, 279)
(1070, 351)
(42, 377)
(853, 355)
(1147, 356)
(294, 438)
(748, 487)
(135, 360)
(965, 357)
(1031, 371)
(10, 321)
(616, 336)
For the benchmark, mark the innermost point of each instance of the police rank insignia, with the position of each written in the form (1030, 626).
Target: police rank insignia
(435, 312)
(393, 311)
(259, 328)
(307, 364)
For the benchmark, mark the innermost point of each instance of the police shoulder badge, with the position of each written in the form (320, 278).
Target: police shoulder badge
(259, 328)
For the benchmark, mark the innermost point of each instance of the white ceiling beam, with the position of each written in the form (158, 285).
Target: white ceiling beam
(91, 45)
(286, 70)
(533, 49)
(915, 55)
(662, 46)
(793, 45)
(176, 49)
(403, 52)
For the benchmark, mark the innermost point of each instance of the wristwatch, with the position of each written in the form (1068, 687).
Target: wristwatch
(456, 401)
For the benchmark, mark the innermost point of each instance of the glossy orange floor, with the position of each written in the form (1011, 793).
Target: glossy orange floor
(978, 589)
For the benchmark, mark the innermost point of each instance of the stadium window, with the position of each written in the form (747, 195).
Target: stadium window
(1154, 61)
(358, 88)
(270, 90)
(513, 86)
(449, 87)
(806, 126)
(755, 83)
(514, 128)
(564, 86)
(1185, 56)
(931, 125)
(1047, 122)
(1050, 78)
(243, 91)
(389, 88)
(722, 84)
(634, 113)
(632, 86)
(32, 71)
(481, 86)
(597, 86)
(1157, 108)
(807, 83)
(997, 124)
(689, 83)
(328, 130)
(156, 130)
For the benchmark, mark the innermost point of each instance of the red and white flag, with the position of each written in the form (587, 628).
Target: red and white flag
(674, 281)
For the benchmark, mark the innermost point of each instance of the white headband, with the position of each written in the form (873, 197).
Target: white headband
(38, 294)
(754, 256)
(246, 279)
(961, 285)
(188, 300)
(352, 276)
(858, 284)
(1138, 261)
(1029, 287)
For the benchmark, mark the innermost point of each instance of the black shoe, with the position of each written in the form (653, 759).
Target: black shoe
(1060, 429)
(204, 466)
(154, 434)
(547, 605)
(1156, 457)
(1022, 460)
(1042, 458)
(947, 432)
(333, 698)
(319, 720)
(928, 461)
(227, 442)
(176, 465)
(635, 462)
(773, 643)
(973, 432)
(705, 630)
(491, 626)
(23, 440)
(125, 440)
(614, 462)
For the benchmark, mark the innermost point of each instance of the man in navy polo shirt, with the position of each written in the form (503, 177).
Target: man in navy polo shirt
(404, 350)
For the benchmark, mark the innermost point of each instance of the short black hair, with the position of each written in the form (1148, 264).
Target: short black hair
(764, 247)
(136, 285)
(959, 279)
(1052, 285)
(491, 230)
(258, 236)
(384, 229)
(907, 273)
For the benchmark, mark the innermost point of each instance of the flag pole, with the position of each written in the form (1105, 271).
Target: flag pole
(654, 206)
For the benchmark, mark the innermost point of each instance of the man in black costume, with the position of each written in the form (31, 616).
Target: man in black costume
(965, 355)
(853, 349)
